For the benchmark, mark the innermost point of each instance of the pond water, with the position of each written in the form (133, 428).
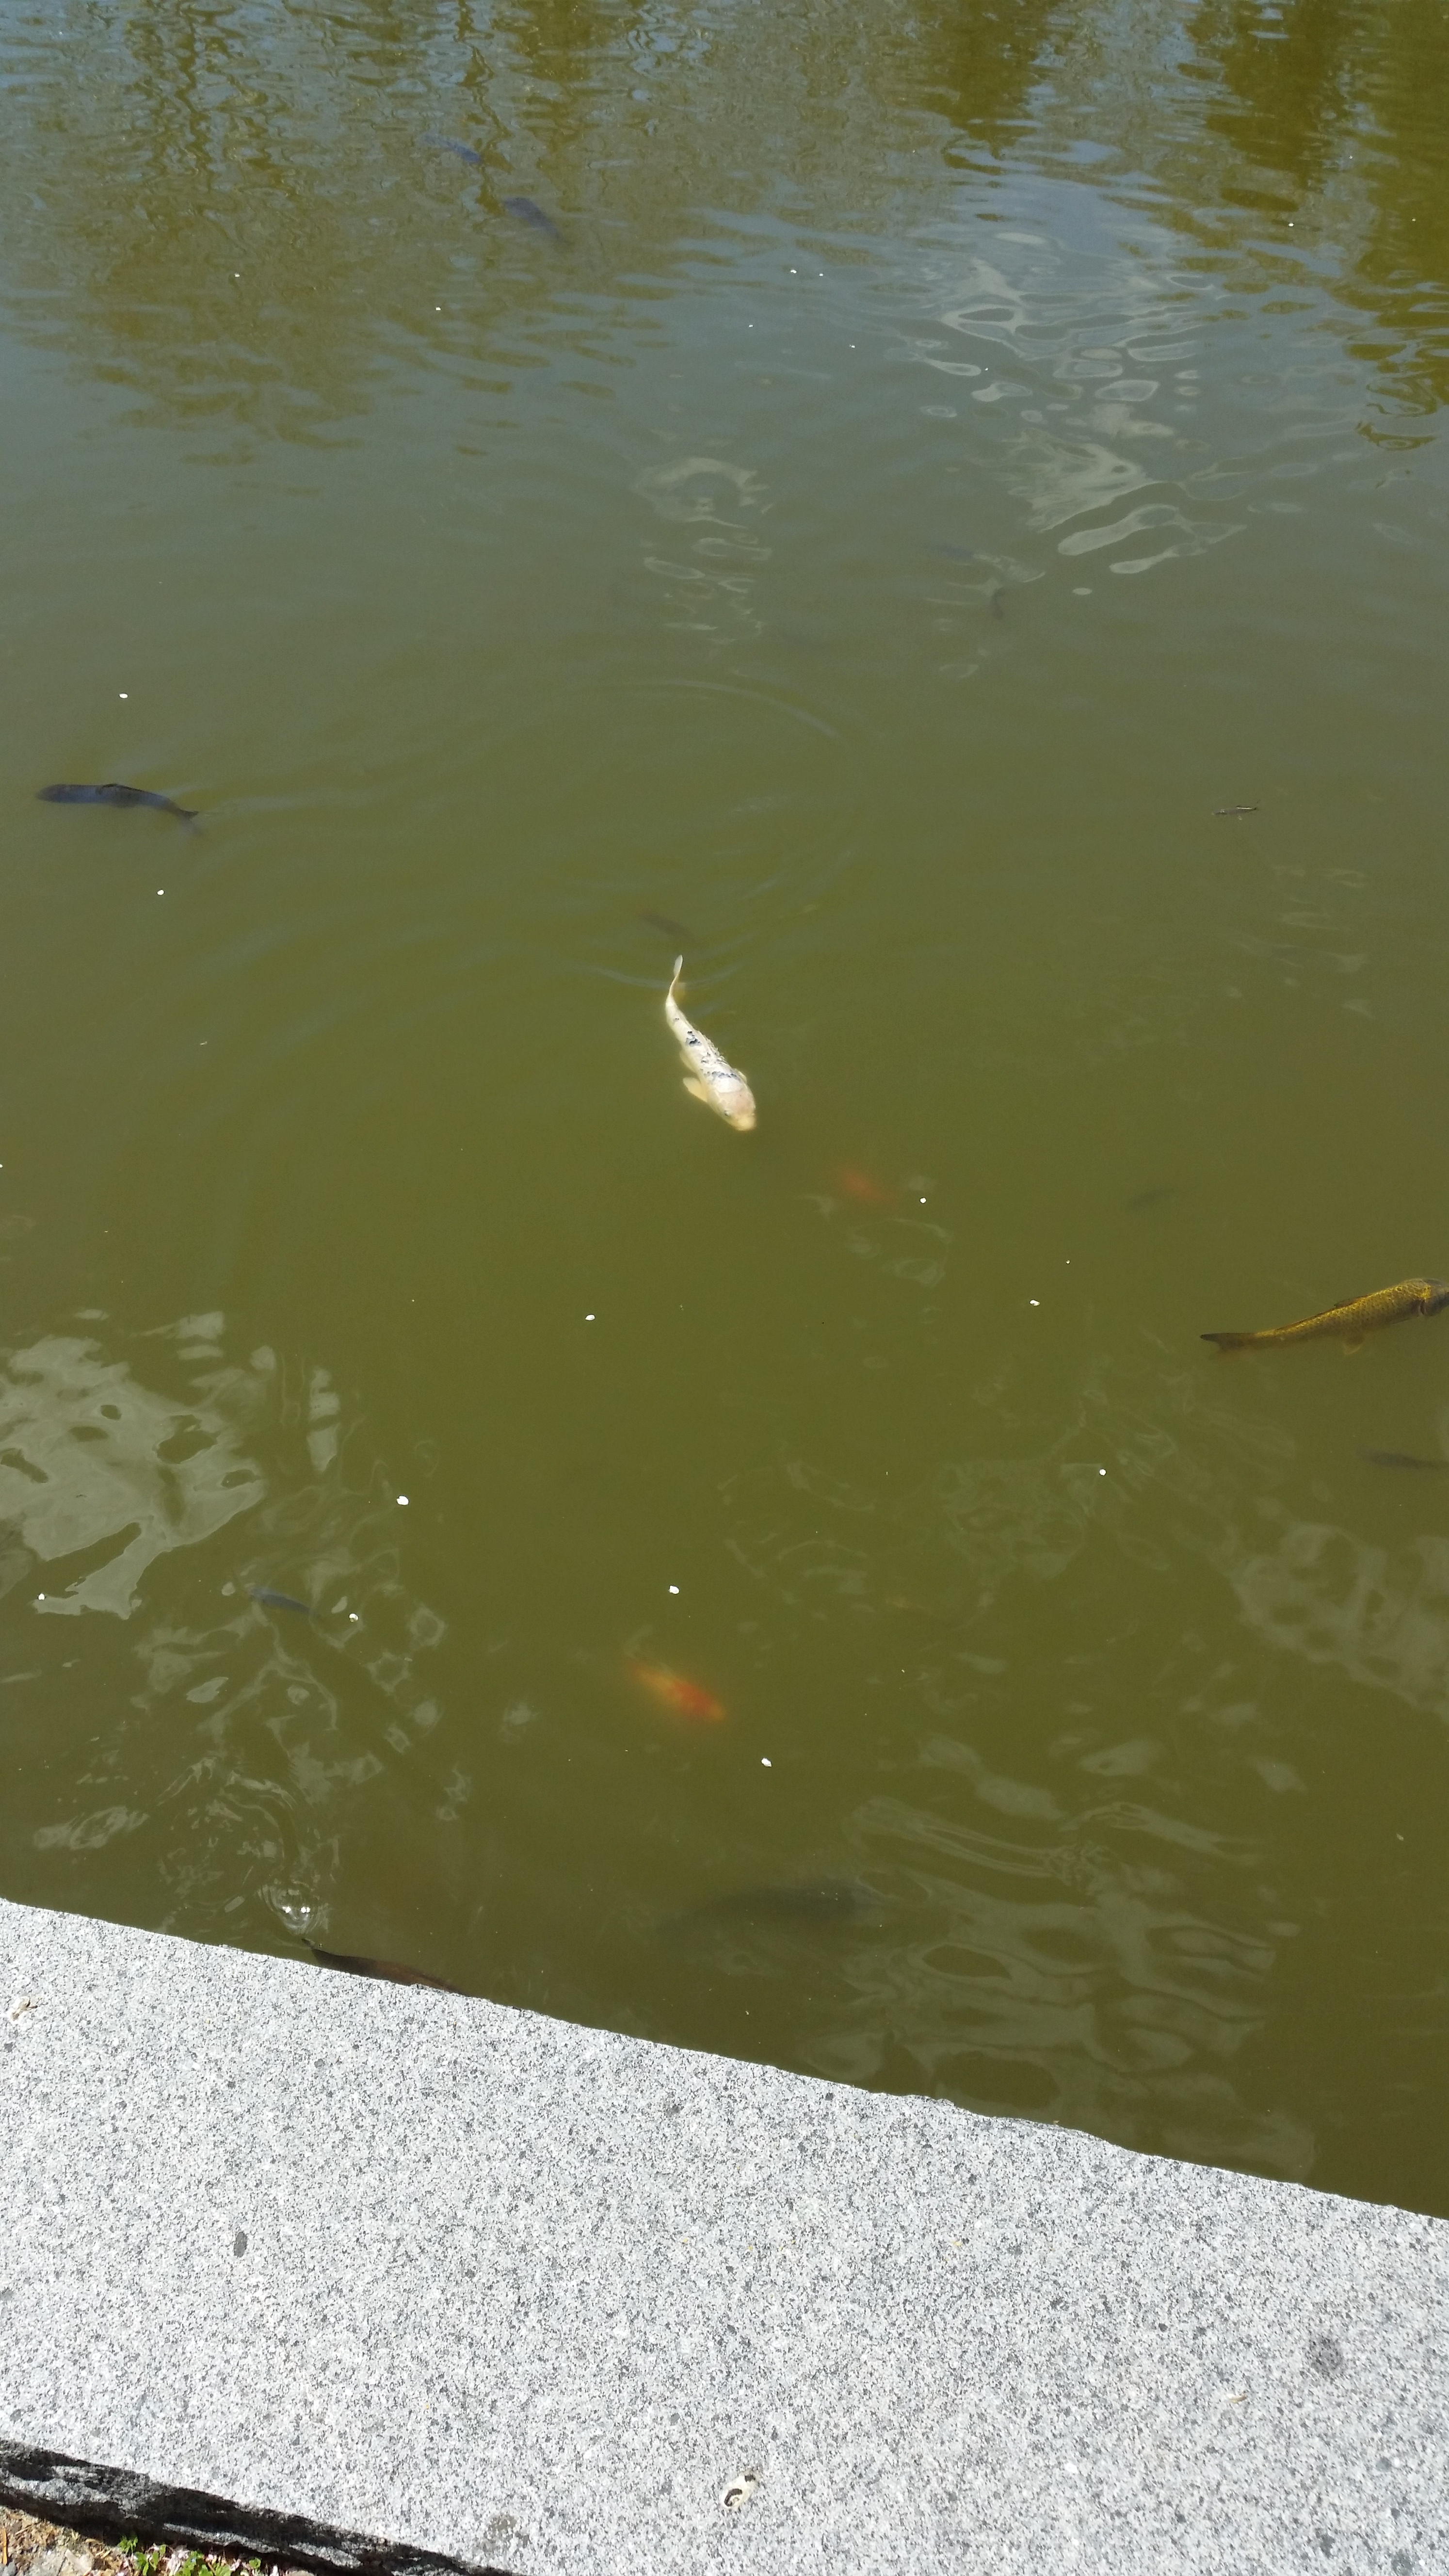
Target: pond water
(868, 515)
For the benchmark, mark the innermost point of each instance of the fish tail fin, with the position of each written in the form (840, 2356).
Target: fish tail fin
(1352, 1342)
(1230, 1341)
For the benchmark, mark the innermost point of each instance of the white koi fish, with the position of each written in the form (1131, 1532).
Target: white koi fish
(707, 1075)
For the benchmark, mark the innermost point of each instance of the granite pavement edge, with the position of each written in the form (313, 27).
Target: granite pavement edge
(384, 2279)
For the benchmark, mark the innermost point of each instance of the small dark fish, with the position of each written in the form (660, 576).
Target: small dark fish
(1235, 809)
(464, 151)
(811, 1900)
(113, 793)
(957, 554)
(1402, 1458)
(1150, 1198)
(393, 1971)
(998, 605)
(526, 212)
(671, 929)
(271, 1600)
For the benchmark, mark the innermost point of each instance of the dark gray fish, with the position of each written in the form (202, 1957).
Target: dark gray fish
(113, 793)
(464, 151)
(671, 929)
(1235, 809)
(271, 1600)
(957, 554)
(1403, 1458)
(526, 212)
(998, 605)
(1150, 1198)
(394, 1972)
(810, 1900)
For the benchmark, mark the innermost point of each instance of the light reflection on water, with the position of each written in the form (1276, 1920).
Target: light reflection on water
(944, 535)
(278, 1711)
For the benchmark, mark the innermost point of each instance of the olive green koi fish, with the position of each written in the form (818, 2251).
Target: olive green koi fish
(1350, 1322)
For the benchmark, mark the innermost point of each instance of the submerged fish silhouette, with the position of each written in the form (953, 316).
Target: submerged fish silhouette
(394, 1971)
(464, 151)
(1349, 1322)
(525, 211)
(665, 922)
(271, 1600)
(854, 1182)
(674, 1691)
(1403, 1458)
(809, 1900)
(113, 793)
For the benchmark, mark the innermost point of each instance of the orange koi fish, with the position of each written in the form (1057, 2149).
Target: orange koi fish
(682, 1698)
(863, 1187)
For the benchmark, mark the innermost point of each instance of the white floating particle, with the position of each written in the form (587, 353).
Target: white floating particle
(354, 1616)
(591, 1319)
(765, 1763)
(1101, 1471)
(402, 1498)
(674, 1587)
(123, 693)
(160, 889)
(40, 1596)
(1033, 1301)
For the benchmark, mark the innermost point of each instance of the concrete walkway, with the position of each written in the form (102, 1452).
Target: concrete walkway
(385, 2276)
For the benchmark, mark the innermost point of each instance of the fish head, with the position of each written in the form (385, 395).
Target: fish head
(1437, 1297)
(736, 1103)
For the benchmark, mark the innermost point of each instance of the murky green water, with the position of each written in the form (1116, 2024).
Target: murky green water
(933, 465)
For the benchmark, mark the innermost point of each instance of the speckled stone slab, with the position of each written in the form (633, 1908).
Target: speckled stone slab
(465, 2283)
